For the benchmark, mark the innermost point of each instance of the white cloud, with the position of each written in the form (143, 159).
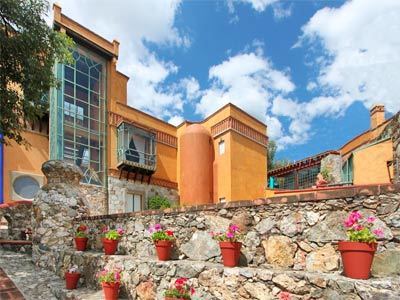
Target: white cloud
(259, 5)
(361, 42)
(176, 120)
(135, 23)
(191, 86)
(248, 80)
(280, 11)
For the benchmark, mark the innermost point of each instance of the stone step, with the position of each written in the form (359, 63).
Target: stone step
(213, 281)
(79, 294)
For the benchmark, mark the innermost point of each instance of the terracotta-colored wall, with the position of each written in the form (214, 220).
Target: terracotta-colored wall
(27, 160)
(249, 168)
(196, 168)
(370, 163)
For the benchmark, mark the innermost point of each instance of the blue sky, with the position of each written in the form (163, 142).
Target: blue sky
(309, 69)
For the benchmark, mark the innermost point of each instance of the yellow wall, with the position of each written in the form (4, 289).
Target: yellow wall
(222, 168)
(370, 163)
(249, 168)
(27, 160)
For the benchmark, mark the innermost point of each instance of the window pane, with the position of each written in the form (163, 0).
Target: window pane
(69, 73)
(82, 94)
(26, 186)
(68, 88)
(94, 98)
(82, 79)
(94, 85)
(82, 66)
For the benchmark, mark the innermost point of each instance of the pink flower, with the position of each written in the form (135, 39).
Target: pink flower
(120, 231)
(284, 296)
(378, 232)
(229, 235)
(371, 219)
(358, 227)
(348, 223)
(355, 215)
(157, 227)
(234, 228)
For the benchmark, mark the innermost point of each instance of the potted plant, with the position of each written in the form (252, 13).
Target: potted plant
(110, 281)
(179, 289)
(163, 240)
(81, 237)
(358, 252)
(72, 277)
(230, 245)
(111, 239)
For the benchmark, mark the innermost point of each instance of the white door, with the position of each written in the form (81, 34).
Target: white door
(133, 202)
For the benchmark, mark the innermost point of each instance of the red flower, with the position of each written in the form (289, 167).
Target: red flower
(169, 232)
(82, 228)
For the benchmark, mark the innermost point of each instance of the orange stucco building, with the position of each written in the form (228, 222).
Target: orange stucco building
(368, 158)
(134, 155)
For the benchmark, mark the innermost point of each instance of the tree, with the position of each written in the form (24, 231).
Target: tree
(29, 48)
(271, 150)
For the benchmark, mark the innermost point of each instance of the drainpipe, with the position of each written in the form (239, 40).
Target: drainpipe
(1, 171)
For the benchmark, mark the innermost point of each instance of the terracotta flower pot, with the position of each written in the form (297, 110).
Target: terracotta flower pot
(357, 258)
(230, 253)
(110, 246)
(110, 290)
(163, 249)
(174, 298)
(81, 243)
(71, 280)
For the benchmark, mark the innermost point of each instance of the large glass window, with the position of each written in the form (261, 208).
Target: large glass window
(81, 104)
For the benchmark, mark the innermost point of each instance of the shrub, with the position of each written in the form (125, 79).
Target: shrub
(159, 202)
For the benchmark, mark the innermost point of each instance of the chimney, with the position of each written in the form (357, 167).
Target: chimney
(377, 115)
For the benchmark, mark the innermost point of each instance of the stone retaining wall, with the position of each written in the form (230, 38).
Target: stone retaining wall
(118, 189)
(293, 235)
(17, 214)
(289, 244)
(147, 279)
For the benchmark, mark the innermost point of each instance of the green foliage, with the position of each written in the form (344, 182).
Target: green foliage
(364, 235)
(81, 234)
(112, 235)
(271, 150)
(175, 293)
(29, 49)
(326, 174)
(280, 163)
(161, 236)
(159, 202)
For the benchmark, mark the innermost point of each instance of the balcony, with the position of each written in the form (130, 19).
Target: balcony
(136, 152)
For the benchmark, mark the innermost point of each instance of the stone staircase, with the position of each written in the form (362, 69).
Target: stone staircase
(148, 278)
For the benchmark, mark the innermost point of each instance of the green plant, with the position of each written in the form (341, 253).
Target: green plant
(359, 229)
(231, 235)
(326, 174)
(180, 289)
(81, 231)
(29, 50)
(159, 202)
(159, 234)
(112, 234)
(109, 276)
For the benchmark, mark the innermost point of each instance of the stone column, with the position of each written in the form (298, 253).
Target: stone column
(54, 209)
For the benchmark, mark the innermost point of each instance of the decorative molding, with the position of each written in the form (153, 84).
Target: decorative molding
(231, 123)
(162, 137)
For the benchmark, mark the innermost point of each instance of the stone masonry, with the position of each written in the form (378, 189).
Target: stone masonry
(118, 188)
(289, 243)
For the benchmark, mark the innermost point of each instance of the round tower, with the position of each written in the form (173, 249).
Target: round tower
(196, 166)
